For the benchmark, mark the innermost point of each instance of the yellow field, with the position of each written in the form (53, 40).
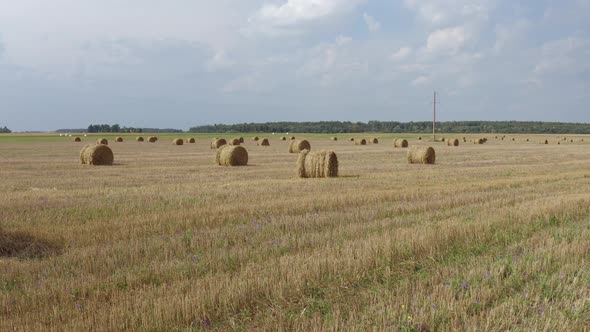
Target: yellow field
(493, 237)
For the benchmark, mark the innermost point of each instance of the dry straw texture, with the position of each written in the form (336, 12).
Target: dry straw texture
(296, 146)
(139, 139)
(216, 144)
(421, 155)
(229, 155)
(119, 139)
(400, 143)
(453, 142)
(235, 141)
(264, 142)
(323, 164)
(374, 141)
(77, 139)
(178, 141)
(103, 141)
(361, 141)
(191, 140)
(99, 154)
(152, 139)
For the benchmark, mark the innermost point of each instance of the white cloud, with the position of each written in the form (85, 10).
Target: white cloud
(219, 60)
(401, 54)
(439, 12)
(448, 40)
(372, 24)
(564, 57)
(421, 80)
(297, 11)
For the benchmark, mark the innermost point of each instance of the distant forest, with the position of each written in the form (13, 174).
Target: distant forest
(5, 130)
(513, 127)
(105, 128)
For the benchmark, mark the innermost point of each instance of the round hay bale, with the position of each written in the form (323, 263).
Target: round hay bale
(334, 138)
(283, 138)
(453, 142)
(102, 141)
(235, 141)
(119, 139)
(191, 140)
(558, 143)
(77, 139)
(139, 139)
(241, 140)
(98, 154)
(513, 139)
(442, 139)
(152, 139)
(485, 140)
(264, 142)
(527, 140)
(545, 142)
(178, 141)
(255, 138)
(351, 139)
(296, 146)
(229, 155)
(374, 141)
(361, 141)
(571, 141)
(400, 143)
(292, 138)
(421, 155)
(323, 164)
(419, 138)
(478, 141)
(216, 144)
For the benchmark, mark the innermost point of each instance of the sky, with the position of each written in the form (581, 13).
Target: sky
(182, 63)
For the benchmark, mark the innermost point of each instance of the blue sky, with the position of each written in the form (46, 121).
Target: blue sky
(179, 63)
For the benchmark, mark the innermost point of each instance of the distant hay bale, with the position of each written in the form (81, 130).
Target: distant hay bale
(139, 139)
(231, 155)
(334, 138)
(478, 141)
(216, 144)
(485, 140)
(351, 139)
(241, 139)
(442, 139)
(234, 141)
(283, 138)
(421, 155)
(103, 141)
(178, 141)
(571, 141)
(323, 164)
(119, 139)
(292, 138)
(152, 139)
(558, 143)
(296, 146)
(374, 141)
(264, 142)
(27, 245)
(400, 143)
(361, 141)
(419, 138)
(453, 142)
(255, 138)
(545, 142)
(527, 140)
(77, 139)
(191, 140)
(513, 139)
(98, 154)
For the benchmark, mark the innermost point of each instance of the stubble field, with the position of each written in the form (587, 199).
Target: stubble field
(492, 237)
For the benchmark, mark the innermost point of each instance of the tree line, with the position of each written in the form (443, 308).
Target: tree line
(5, 130)
(116, 128)
(512, 127)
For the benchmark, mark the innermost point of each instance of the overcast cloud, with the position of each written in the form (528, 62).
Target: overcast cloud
(179, 63)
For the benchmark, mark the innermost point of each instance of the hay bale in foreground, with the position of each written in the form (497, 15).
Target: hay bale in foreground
(296, 146)
(229, 155)
(77, 139)
(191, 140)
(400, 143)
(216, 144)
(98, 154)
(264, 142)
(255, 138)
(453, 142)
(139, 139)
(421, 155)
(119, 139)
(323, 164)
(361, 141)
(374, 141)
(178, 141)
(152, 139)
(102, 141)
(234, 142)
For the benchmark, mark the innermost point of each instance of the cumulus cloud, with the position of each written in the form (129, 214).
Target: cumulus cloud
(297, 11)
(448, 40)
(372, 24)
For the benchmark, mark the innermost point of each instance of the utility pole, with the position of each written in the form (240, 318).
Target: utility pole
(434, 118)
